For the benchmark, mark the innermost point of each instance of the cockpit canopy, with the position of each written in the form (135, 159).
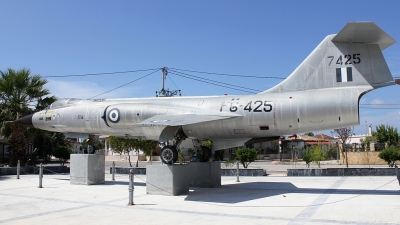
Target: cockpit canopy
(64, 103)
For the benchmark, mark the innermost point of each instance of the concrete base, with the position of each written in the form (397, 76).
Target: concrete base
(205, 174)
(87, 169)
(167, 180)
(243, 172)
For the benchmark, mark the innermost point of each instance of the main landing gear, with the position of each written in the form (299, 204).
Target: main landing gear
(169, 153)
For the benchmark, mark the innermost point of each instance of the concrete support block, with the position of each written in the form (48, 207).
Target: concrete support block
(87, 169)
(205, 174)
(167, 179)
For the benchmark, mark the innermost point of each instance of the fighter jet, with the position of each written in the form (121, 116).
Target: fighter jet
(322, 93)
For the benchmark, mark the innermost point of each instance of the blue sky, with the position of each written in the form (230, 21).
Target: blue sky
(253, 38)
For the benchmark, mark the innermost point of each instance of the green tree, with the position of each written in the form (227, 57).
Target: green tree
(246, 156)
(45, 141)
(318, 154)
(390, 155)
(63, 153)
(147, 146)
(386, 134)
(20, 94)
(307, 156)
(125, 145)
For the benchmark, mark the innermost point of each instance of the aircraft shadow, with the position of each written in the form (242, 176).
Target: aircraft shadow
(242, 192)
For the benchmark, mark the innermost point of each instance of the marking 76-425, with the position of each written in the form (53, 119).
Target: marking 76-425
(252, 106)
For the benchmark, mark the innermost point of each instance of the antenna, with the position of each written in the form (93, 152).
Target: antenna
(163, 92)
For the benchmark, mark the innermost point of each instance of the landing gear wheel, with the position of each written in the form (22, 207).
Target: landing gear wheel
(169, 154)
(90, 149)
(205, 154)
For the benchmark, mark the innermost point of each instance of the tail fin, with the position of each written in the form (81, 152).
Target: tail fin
(353, 57)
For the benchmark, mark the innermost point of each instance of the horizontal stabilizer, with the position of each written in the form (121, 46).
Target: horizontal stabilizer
(364, 32)
(180, 119)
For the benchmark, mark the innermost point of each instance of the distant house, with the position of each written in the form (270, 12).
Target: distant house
(305, 141)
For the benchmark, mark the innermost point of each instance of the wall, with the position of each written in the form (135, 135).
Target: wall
(362, 158)
(342, 172)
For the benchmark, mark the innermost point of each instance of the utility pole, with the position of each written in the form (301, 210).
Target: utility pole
(163, 92)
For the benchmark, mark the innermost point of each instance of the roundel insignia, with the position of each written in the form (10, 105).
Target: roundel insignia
(114, 115)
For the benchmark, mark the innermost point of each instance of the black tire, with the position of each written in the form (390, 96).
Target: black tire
(169, 155)
(205, 154)
(90, 149)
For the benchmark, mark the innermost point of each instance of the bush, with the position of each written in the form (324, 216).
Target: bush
(307, 157)
(390, 155)
(62, 153)
(246, 156)
(230, 163)
(318, 155)
(219, 155)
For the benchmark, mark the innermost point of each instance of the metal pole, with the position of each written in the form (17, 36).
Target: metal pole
(396, 169)
(347, 161)
(130, 187)
(18, 169)
(40, 175)
(113, 171)
(237, 172)
(337, 152)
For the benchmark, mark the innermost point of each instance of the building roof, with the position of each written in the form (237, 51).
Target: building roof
(312, 140)
(325, 137)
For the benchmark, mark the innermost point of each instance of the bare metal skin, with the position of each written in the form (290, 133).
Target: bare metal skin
(322, 93)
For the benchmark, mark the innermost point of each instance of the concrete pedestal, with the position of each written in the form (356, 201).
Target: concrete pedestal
(167, 180)
(205, 174)
(87, 169)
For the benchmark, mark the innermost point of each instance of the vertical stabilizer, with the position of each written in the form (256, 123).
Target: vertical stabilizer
(353, 57)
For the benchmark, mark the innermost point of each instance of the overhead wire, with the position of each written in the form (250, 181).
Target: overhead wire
(210, 82)
(174, 71)
(126, 84)
(99, 74)
(201, 79)
(173, 82)
(225, 74)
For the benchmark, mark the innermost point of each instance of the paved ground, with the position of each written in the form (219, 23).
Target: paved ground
(254, 200)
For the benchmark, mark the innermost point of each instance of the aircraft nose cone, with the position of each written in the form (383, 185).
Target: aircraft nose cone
(26, 120)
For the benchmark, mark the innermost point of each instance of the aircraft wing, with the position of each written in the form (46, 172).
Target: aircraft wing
(182, 119)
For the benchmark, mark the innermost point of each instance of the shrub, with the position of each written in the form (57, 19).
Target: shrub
(219, 155)
(390, 155)
(307, 157)
(230, 163)
(246, 156)
(318, 155)
(62, 153)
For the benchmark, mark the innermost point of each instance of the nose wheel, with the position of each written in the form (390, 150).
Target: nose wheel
(169, 154)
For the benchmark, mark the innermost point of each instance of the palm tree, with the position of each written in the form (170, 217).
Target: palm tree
(21, 94)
